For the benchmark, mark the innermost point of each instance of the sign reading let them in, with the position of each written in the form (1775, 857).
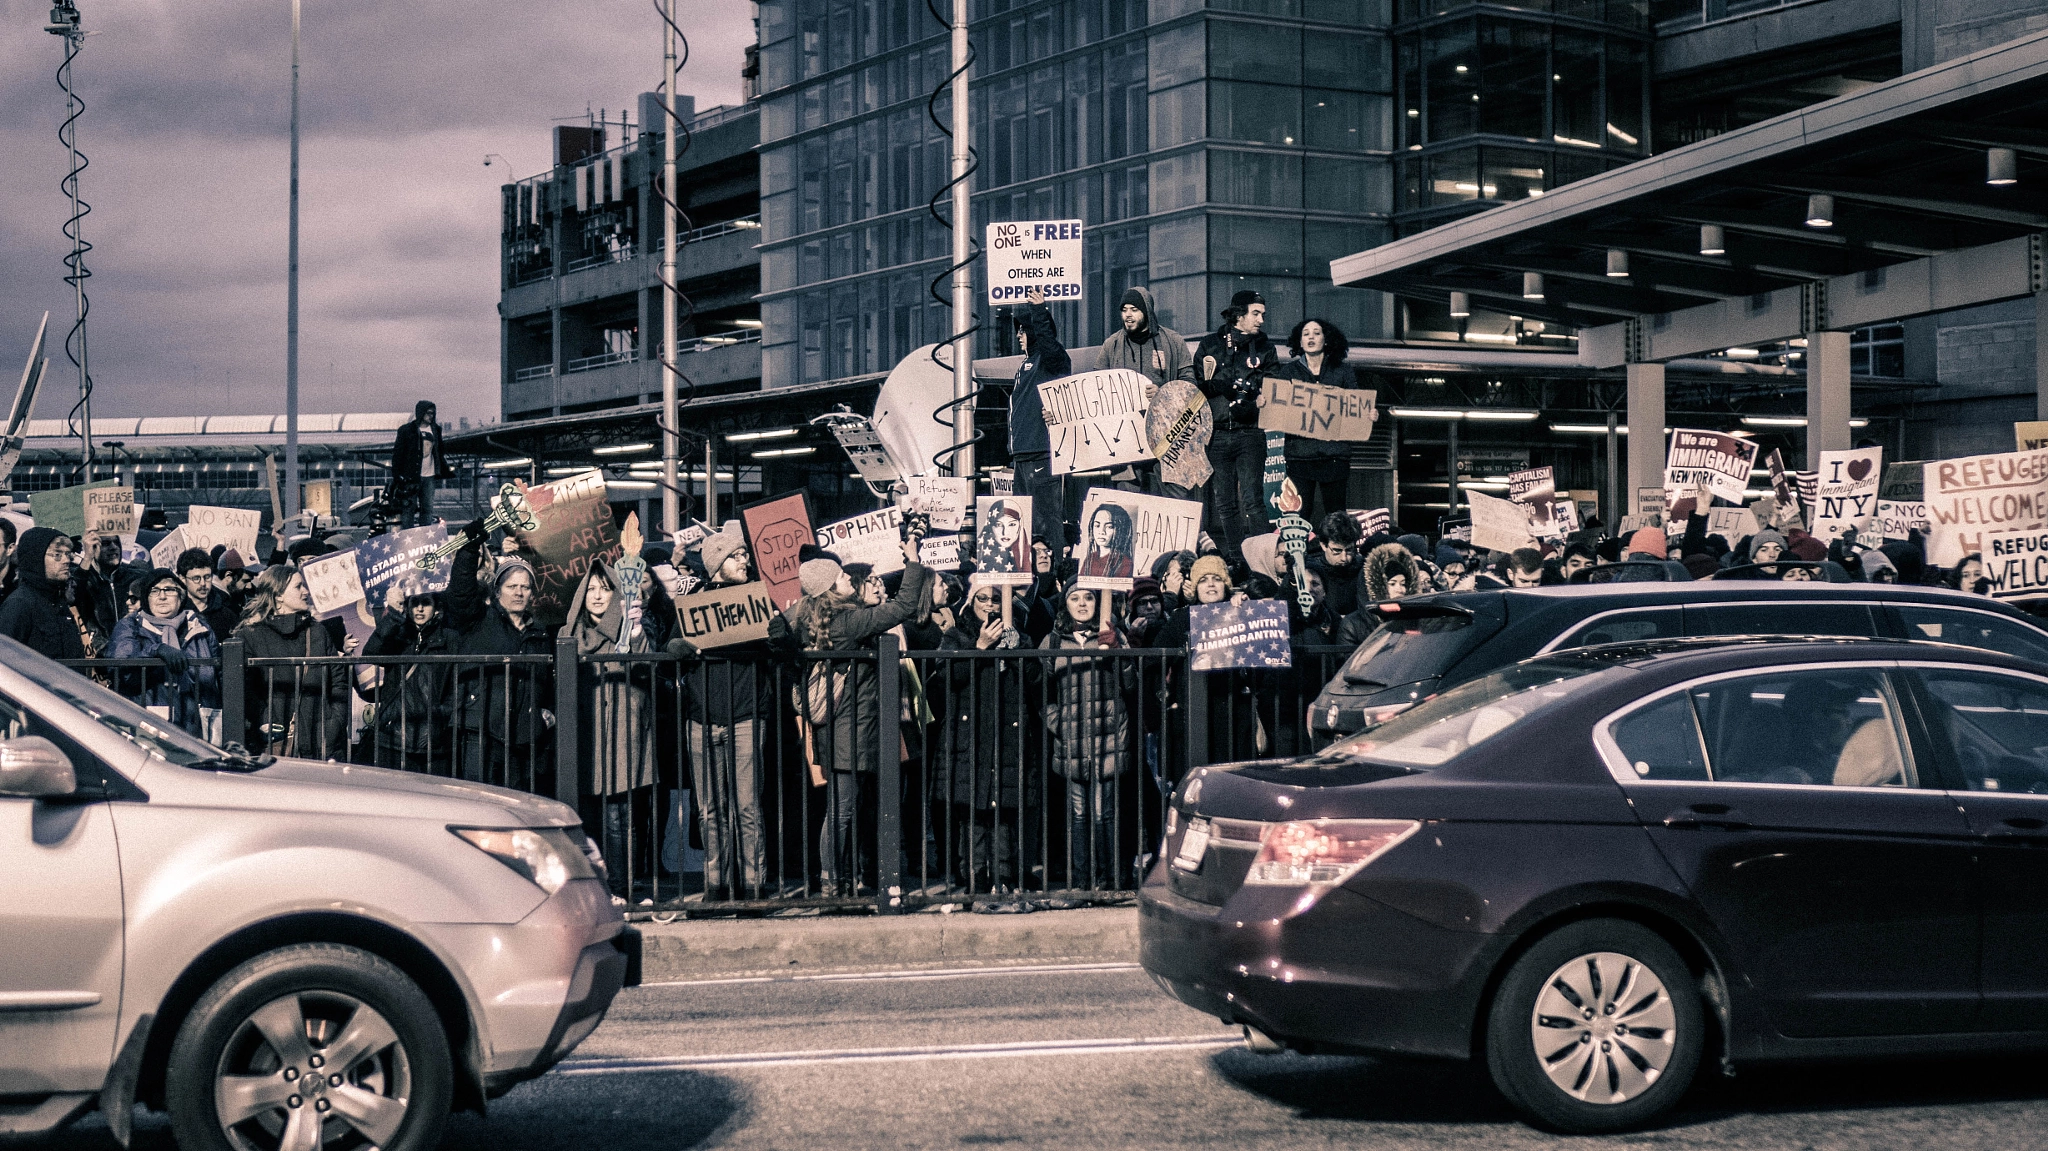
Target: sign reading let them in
(724, 616)
(1316, 412)
(1045, 254)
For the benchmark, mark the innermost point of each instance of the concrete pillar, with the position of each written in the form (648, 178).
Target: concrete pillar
(1645, 424)
(555, 358)
(2041, 355)
(1827, 395)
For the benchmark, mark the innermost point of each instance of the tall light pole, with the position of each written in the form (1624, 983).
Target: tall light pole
(291, 304)
(671, 439)
(963, 251)
(65, 21)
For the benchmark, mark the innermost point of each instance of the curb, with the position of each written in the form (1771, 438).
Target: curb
(715, 949)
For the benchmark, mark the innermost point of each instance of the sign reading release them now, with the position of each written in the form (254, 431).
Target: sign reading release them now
(1044, 253)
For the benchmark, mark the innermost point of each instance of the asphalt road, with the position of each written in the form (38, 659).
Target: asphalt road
(1083, 1057)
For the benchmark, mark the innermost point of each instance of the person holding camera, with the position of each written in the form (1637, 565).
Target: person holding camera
(1233, 361)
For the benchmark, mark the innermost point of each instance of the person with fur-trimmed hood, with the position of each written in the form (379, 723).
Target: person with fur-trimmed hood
(1391, 573)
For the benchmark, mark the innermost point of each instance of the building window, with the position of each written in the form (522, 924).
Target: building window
(1878, 350)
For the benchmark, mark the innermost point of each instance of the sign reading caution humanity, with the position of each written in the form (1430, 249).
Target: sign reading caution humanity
(1045, 254)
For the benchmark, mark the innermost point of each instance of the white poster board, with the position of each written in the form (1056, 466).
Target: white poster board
(1732, 524)
(109, 511)
(167, 550)
(1124, 533)
(1973, 497)
(1095, 420)
(1895, 518)
(869, 538)
(943, 498)
(1721, 461)
(1042, 254)
(333, 582)
(2016, 563)
(236, 528)
(1497, 524)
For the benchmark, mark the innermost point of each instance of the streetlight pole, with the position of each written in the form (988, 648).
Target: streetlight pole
(291, 305)
(671, 438)
(963, 249)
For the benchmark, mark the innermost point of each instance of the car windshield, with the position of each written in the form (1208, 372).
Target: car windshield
(1437, 729)
(1406, 649)
(158, 737)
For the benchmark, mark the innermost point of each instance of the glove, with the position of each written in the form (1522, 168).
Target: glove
(681, 648)
(474, 533)
(174, 659)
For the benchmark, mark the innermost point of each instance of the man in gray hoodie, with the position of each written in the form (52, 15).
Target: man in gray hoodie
(1175, 408)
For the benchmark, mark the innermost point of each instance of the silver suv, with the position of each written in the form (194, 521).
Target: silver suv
(284, 955)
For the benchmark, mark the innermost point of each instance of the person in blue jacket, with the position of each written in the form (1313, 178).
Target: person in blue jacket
(166, 627)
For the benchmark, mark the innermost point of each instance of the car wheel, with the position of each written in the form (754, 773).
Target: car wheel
(312, 1047)
(1596, 1028)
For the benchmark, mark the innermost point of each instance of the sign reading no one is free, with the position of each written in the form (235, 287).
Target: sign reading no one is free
(1045, 254)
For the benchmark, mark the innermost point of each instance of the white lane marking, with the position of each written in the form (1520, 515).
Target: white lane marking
(935, 973)
(895, 1054)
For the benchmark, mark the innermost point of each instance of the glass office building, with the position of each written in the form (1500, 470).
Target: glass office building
(1208, 148)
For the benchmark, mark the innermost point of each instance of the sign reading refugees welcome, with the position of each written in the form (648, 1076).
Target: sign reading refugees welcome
(2016, 563)
(1973, 497)
(1042, 254)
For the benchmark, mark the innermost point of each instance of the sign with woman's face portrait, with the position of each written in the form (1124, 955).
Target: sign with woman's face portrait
(1002, 541)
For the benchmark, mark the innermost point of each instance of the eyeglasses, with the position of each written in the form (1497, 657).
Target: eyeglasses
(166, 591)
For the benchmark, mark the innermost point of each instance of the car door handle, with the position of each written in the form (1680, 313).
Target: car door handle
(1703, 815)
(2020, 828)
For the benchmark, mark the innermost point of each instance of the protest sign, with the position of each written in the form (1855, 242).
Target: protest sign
(1895, 519)
(2030, 434)
(1902, 482)
(1588, 503)
(1002, 481)
(1536, 489)
(679, 581)
(385, 560)
(723, 616)
(574, 529)
(1252, 634)
(944, 499)
(1975, 496)
(1497, 524)
(1122, 533)
(1002, 545)
(333, 583)
(1650, 502)
(1784, 493)
(317, 497)
(1732, 524)
(777, 530)
(940, 551)
(1095, 420)
(1846, 494)
(1042, 254)
(1373, 520)
(1275, 475)
(869, 538)
(64, 508)
(1721, 461)
(2016, 563)
(109, 511)
(165, 552)
(1452, 529)
(211, 527)
(1300, 408)
(863, 447)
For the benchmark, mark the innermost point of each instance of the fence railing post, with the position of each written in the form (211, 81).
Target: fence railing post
(568, 723)
(1195, 706)
(234, 693)
(888, 777)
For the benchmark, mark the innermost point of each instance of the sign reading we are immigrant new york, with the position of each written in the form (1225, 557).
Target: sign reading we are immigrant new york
(1721, 461)
(1300, 408)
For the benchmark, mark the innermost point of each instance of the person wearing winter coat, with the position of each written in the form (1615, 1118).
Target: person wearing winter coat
(1391, 573)
(847, 734)
(501, 728)
(416, 464)
(618, 713)
(1337, 560)
(1090, 732)
(298, 710)
(166, 628)
(1233, 361)
(38, 613)
(978, 762)
(725, 700)
(1320, 469)
(411, 704)
(1045, 359)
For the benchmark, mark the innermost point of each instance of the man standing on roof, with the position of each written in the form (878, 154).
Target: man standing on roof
(1045, 359)
(1176, 417)
(416, 464)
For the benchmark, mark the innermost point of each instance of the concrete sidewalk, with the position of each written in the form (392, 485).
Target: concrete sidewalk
(728, 948)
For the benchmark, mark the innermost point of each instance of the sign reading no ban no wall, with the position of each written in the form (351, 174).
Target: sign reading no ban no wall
(1045, 254)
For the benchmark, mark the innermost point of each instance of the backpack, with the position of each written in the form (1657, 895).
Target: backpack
(824, 691)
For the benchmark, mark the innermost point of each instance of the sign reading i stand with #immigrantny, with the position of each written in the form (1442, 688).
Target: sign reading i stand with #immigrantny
(1045, 254)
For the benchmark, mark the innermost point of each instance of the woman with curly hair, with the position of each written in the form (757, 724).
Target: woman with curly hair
(1320, 469)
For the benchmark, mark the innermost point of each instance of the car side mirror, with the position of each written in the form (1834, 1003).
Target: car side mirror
(32, 767)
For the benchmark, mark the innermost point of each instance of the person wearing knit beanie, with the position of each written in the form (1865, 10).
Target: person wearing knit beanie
(1806, 547)
(1765, 537)
(1210, 568)
(720, 546)
(817, 576)
(1649, 542)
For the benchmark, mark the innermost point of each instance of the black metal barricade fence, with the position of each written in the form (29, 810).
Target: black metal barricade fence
(751, 781)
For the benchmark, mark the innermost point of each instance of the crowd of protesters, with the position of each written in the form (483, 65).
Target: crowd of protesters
(1032, 749)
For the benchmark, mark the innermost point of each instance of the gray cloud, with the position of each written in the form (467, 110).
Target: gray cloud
(186, 132)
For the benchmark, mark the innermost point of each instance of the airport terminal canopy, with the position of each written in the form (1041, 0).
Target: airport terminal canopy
(1916, 195)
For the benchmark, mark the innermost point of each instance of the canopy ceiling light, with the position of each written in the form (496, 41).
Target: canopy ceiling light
(770, 434)
(1820, 211)
(1617, 263)
(1499, 414)
(1503, 414)
(2001, 167)
(1532, 285)
(621, 449)
(1461, 305)
(1713, 242)
(777, 453)
(1793, 422)
(1588, 429)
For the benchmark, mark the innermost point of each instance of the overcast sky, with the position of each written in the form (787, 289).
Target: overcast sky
(187, 132)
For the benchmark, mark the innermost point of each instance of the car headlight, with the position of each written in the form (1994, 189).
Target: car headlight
(545, 855)
(1322, 853)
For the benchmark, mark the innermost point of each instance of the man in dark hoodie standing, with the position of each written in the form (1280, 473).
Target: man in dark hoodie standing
(1233, 361)
(1173, 418)
(1030, 445)
(416, 465)
(36, 613)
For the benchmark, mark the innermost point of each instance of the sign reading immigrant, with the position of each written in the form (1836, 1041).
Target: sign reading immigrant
(1095, 419)
(723, 616)
(1252, 634)
(1721, 461)
(1970, 498)
(1123, 533)
(1042, 254)
(1300, 408)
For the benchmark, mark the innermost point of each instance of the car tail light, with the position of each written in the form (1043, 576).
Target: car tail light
(1323, 852)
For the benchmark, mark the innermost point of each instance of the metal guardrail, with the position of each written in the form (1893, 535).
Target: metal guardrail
(619, 255)
(536, 372)
(719, 340)
(883, 779)
(601, 360)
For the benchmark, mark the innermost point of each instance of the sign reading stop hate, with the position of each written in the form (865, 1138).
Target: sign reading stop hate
(1045, 255)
